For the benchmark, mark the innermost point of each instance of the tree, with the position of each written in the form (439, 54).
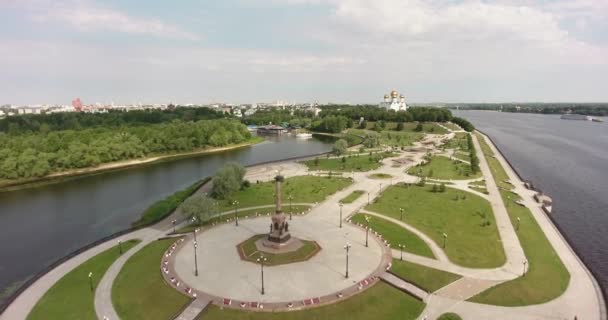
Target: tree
(227, 180)
(198, 206)
(340, 147)
(419, 127)
(400, 126)
(372, 140)
(442, 187)
(434, 188)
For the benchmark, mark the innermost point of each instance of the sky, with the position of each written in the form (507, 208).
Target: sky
(346, 51)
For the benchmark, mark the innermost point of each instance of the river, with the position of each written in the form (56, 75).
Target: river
(568, 160)
(42, 224)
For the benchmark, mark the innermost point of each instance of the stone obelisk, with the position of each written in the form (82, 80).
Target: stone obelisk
(279, 228)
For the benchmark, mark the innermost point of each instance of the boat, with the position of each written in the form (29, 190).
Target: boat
(572, 116)
(303, 135)
(597, 120)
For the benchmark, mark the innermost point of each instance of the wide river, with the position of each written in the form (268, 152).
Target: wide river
(40, 225)
(568, 160)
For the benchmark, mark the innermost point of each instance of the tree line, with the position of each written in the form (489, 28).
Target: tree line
(38, 154)
(591, 109)
(375, 113)
(464, 124)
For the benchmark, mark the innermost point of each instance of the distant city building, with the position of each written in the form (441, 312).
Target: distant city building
(394, 101)
(77, 104)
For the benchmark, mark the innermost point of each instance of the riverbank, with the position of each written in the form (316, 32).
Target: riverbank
(12, 185)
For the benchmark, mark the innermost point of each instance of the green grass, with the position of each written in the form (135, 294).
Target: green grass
(394, 138)
(380, 302)
(473, 240)
(459, 142)
(380, 176)
(427, 127)
(547, 277)
(359, 163)
(163, 208)
(71, 297)
(304, 189)
(352, 196)
(451, 126)
(250, 213)
(424, 277)
(443, 168)
(140, 292)
(250, 252)
(479, 189)
(396, 235)
(499, 173)
(462, 156)
(449, 316)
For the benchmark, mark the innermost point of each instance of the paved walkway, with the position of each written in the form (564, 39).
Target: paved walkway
(194, 309)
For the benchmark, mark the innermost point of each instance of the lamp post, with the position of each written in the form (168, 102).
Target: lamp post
(518, 223)
(341, 214)
(120, 246)
(401, 211)
(525, 270)
(195, 231)
(347, 248)
(236, 213)
(91, 280)
(173, 222)
(380, 188)
(195, 259)
(290, 206)
(261, 261)
(445, 239)
(366, 230)
(401, 247)
(368, 198)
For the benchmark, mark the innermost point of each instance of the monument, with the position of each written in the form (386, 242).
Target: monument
(279, 227)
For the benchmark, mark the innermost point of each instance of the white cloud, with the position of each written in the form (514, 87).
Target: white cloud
(84, 16)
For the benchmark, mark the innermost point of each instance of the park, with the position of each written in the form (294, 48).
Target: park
(416, 224)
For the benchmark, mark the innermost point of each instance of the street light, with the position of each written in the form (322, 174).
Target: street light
(366, 230)
(194, 232)
(173, 222)
(518, 223)
(195, 259)
(341, 214)
(380, 188)
(347, 248)
(401, 210)
(261, 261)
(290, 206)
(120, 246)
(368, 198)
(445, 239)
(236, 216)
(401, 247)
(91, 280)
(525, 270)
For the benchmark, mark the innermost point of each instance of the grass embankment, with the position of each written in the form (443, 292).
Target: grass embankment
(359, 163)
(462, 156)
(451, 126)
(449, 316)
(473, 240)
(352, 196)
(393, 138)
(71, 297)
(303, 189)
(140, 292)
(547, 277)
(458, 142)
(443, 168)
(396, 235)
(479, 186)
(163, 208)
(498, 172)
(250, 252)
(380, 302)
(426, 278)
(244, 214)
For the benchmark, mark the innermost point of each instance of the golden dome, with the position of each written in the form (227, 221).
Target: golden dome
(402, 96)
(386, 96)
(394, 94)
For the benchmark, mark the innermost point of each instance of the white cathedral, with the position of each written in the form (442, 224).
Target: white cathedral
(394, 102)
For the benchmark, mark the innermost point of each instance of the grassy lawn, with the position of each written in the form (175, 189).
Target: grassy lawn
(348, 163)
(451, 126)
(352, 196)
(380, 176)
(426, 278)
(462, 156)
(427, 127)
(380, 302)
(139, 291)
(496, 168)
(307, 189)
(547, 277)
(250, 252)
(71, 297)
(459, 142)
(250, 213)
(467, 219)
(394, 138)
(443, 168)
(449, 316)
(396, 235)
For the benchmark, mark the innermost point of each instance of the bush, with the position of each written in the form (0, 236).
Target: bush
(464, 124)
(227, 180)
(419, 127)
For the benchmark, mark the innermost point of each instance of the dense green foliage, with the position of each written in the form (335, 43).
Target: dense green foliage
(71, 298)
(199, 208)
(228, 180)
(463, 123)
(163, 208)
(38, 154)
(472, 155)
(45, 123)
(374, 113)
(340, 147)
(381, 302)
(332, 124)
(298, 118)
(140, 292)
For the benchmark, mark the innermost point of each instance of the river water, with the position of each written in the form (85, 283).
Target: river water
(40, 225)
(568, 160)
